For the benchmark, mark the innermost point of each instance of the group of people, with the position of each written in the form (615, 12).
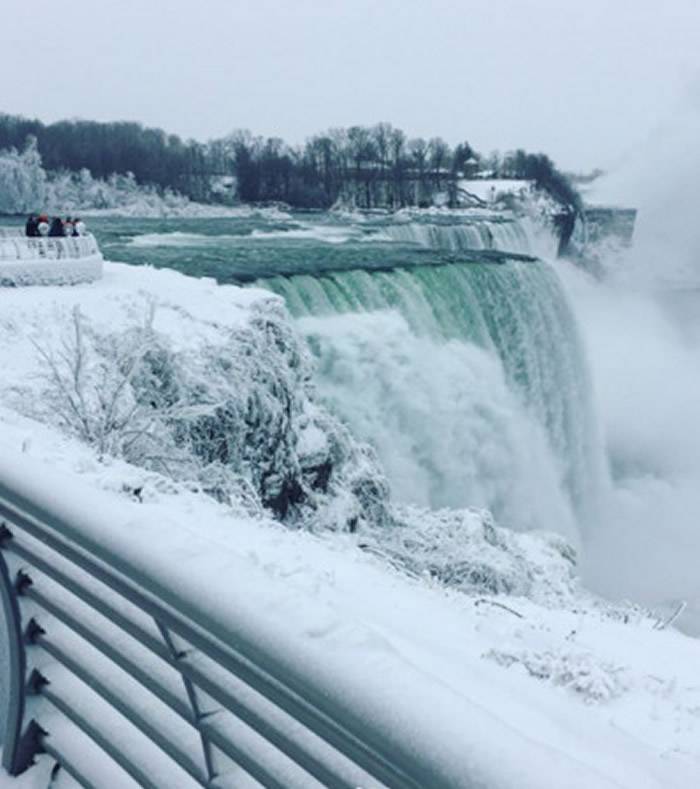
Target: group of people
(39, 226)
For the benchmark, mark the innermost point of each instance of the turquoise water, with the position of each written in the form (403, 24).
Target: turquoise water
(241, 249)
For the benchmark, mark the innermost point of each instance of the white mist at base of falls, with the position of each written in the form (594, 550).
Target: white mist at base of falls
(646, 370)
(445, 424)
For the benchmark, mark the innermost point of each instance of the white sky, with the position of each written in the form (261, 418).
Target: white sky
(583, 80)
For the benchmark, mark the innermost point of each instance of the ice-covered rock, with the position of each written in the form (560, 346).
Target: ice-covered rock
(208, 385)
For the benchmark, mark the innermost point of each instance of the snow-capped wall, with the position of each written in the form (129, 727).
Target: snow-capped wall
(47, 261)
(14, 273)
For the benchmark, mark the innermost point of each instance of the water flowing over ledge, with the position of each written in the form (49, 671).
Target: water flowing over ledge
(470, 380)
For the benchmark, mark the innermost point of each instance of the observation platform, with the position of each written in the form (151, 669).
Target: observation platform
(48, 260)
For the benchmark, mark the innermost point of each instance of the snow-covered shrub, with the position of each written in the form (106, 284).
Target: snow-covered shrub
(238, 420)
(90, 390)
(583, 673)
(465, 549)
(26, 187)
(69, 192)
(250, 406)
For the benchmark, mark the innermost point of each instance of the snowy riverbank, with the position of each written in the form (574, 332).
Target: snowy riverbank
(441, 617)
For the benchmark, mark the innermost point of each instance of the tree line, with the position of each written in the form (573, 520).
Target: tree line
(363, 167)
(154, 157)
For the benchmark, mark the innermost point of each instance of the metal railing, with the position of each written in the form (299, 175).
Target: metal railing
(113, 673)
(17, 247)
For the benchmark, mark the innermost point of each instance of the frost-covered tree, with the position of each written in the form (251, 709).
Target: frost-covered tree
(22, 180)
(235, 420)
(26, 187)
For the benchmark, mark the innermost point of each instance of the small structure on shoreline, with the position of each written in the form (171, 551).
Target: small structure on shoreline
(46, 260)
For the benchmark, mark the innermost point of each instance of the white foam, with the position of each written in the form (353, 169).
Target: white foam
(441, 415)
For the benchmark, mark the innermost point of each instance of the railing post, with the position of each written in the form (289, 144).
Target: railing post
(192, 698)
(17, 663)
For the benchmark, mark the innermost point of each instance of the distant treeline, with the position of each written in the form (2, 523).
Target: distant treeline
(153, 156)
(366, 167)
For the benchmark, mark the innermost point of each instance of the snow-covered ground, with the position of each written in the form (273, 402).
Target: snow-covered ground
(441, 625)
(490, 189)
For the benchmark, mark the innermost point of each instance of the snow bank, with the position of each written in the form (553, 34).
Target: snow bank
(491, 190)
(499, 692)
(153, 206)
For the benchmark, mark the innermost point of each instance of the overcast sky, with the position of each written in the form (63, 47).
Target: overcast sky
(582, 80)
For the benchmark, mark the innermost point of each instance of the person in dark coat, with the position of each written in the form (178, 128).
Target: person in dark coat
(56, 228)
(31, 229)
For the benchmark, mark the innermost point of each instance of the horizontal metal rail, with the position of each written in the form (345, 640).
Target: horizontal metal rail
(122, 705)
(299, 744)
(67, 597)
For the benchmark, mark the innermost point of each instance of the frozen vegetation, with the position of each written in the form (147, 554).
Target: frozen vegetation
(191, 408)
(25, 186)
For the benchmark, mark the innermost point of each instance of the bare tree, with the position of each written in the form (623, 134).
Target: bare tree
(92, 394)
(418, 151)
(439, 152)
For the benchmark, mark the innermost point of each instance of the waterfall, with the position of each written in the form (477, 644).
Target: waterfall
(469, 379)
(510, 235)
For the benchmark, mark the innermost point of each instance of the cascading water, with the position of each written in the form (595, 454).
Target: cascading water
(520, 235)
(509, 236)
(469, 379)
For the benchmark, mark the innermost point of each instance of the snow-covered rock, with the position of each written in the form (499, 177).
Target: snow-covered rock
(208, 385)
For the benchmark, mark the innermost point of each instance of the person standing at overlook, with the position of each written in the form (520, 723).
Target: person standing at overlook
(56, 229)
(31, 227)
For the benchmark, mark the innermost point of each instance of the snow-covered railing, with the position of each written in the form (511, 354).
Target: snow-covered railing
(115, 670)
(14, 246)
